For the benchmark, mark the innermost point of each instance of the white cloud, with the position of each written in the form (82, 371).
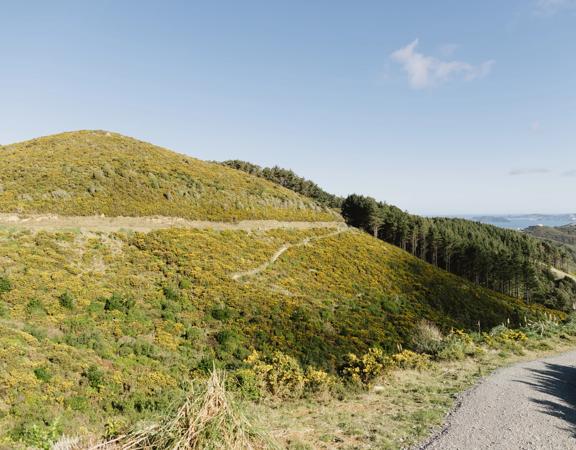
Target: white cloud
(447, 50)
(533, 171)
(536, 126)
(570, 173)
(426, 71)
(551, 7)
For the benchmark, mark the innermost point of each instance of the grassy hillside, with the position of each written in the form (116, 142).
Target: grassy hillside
(565, 234)
(100, 330)
(507, 261)
(97, 172)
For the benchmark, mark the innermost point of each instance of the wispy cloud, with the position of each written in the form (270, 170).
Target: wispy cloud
(570, 173)
(426, 71)
(536, 125)
(552, 7)
(533, 171)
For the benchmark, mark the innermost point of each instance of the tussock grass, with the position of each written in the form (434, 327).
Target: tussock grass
(209, 419)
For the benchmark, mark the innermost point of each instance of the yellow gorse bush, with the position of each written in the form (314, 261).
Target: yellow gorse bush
(96, 172)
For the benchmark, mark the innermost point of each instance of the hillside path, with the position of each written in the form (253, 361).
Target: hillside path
(528, 406)
(559, 274)
(262, 267)
(53, 222)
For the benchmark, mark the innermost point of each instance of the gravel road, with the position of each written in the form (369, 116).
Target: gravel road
(528, 406)
(53, 222)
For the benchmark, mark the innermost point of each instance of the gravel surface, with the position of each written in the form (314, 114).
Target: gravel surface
(52, 222)
(527, 406)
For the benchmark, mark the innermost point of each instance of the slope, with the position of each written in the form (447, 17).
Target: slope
(508, 261)
(97, 172)
(565, 234)
(99, 330)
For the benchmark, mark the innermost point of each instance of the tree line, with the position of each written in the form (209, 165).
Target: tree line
(504, 260)
(289, 180)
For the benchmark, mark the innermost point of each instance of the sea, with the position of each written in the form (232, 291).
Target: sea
(522, 221)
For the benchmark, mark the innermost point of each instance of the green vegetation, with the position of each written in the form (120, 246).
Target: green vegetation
(96, 172)
(289, 180)
(399, 407)
(102, 330)
(565, 234)
(503, 260)
(102, 334)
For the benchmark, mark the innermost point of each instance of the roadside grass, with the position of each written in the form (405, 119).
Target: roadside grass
(398, 410)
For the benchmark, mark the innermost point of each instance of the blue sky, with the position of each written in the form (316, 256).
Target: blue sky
(441, 107)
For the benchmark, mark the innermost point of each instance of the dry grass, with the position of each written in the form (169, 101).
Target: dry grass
(206, 420)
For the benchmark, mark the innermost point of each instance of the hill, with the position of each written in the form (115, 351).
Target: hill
(507, 261)
(98, 330)
(97, 172)
(565, 234)
(103, 325)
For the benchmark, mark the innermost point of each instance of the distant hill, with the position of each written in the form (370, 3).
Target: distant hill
(521, 221)
(98, 172)
(564, 234)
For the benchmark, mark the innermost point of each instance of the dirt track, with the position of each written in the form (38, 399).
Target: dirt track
(52, 222)
(528, 406)
(279, 252)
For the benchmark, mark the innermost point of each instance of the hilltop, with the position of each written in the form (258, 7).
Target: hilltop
(86, 173)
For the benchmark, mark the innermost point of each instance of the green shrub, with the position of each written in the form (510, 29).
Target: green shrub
(185, 283)
(170, 293)
(66, 300)
(221, 313)
(95, 376)
(35, 306)
(248, 383)
(119, 303)
(77, 403)
(5, 285)
(43, 374)
(426, 338)
(38, 436)
(228, 339)
(457, 346)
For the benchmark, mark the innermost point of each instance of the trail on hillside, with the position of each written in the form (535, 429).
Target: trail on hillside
(53, 222)
(529, 406)
(252, 272)
(559, 274)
